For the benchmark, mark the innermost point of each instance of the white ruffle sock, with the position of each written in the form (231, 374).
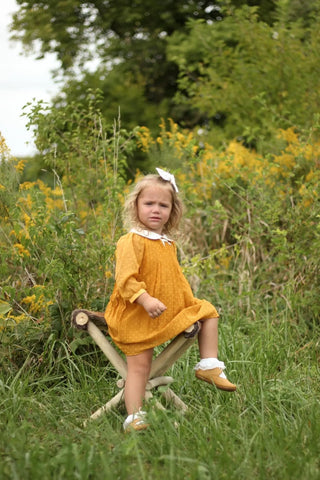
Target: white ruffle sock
(139, 415)
(209, 364)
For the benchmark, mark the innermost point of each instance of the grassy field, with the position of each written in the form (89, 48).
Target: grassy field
(250, 244)
(268, 429)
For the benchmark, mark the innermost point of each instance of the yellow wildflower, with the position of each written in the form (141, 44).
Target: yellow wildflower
(27, 220)
(26, 185)
(20, 166)
(3, 145)
(22, 251)
(195, 148)
(29, 299)
(162, 124)
(26, 202)
(145, 139)
(309, 176)
(57, 191)
(107, 273)
(173, 126)
(36, 305)
(289, 135)
(44, 188)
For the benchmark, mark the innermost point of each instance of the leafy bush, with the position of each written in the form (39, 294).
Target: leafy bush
(247, 78)
(251, 234)
(252, 228)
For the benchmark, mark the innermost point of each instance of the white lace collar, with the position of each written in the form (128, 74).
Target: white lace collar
(152, 235)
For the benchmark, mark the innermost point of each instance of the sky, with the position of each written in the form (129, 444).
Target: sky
(22, 79)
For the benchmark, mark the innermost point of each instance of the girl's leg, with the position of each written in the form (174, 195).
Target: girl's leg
(139, 367)
(208, 338)
(210, 369)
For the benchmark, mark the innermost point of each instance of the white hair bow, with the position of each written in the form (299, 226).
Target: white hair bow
(168, 177)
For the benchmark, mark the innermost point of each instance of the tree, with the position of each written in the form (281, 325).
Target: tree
(126, 38)
(248, 78)
(117, 31)
(265, 70)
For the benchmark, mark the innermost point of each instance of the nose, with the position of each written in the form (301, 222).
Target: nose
(155, 208)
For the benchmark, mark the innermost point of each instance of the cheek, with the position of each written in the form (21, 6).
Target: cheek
(139, 211)
(143, 212)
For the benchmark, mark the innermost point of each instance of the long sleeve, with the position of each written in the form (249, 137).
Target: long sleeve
(129, 255)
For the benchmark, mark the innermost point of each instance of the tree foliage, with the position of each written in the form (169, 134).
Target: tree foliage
(248, 78)
(115, 30)
(127, 41)
(236, 68)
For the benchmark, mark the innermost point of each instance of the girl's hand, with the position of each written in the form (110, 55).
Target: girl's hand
(152, 305)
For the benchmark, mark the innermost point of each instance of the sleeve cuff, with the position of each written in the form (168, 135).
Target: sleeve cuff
(136, 295)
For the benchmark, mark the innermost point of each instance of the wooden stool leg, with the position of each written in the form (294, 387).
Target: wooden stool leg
(170, 354)
(169, 395)
(93, 322)
(110, 352)
(114, 402)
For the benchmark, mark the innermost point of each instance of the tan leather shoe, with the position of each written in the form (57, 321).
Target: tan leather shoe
(212, 376)
(136, 425)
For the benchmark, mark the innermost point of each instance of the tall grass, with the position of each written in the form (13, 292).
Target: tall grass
(268, 429)
(252, 240)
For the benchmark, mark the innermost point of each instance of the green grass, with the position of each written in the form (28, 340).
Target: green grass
(268, 429)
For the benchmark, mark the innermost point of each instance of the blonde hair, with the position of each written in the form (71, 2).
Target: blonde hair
(130, 214)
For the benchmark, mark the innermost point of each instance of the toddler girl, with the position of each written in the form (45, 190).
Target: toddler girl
(152, 301)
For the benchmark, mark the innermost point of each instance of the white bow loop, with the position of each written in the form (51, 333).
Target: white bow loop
(169, 177)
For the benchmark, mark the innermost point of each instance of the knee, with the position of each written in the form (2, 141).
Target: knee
(141, 368)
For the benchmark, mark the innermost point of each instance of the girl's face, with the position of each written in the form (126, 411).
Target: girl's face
(154, 207)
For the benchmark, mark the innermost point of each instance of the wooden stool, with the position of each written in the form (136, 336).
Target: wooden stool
(94, 323)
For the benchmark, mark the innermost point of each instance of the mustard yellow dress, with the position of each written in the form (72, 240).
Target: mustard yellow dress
(148, 262)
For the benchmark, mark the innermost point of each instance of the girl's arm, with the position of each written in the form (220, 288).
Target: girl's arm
(129, 255)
